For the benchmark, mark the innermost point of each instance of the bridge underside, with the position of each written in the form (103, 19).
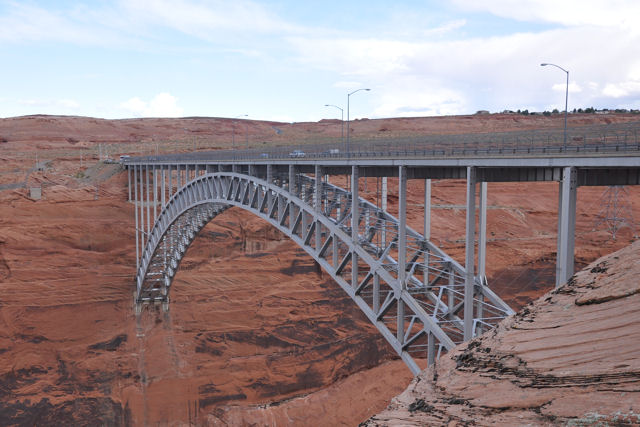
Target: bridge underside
(419, 298)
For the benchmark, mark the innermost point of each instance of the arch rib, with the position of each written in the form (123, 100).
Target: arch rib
(360, 254)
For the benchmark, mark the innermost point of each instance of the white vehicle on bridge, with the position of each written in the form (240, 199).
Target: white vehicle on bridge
(297, 153)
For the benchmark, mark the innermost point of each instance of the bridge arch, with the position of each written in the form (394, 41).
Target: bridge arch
(418, 312)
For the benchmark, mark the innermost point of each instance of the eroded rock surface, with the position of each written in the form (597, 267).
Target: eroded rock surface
(570, 358)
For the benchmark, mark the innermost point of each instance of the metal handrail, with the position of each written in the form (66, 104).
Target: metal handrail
(584, 140)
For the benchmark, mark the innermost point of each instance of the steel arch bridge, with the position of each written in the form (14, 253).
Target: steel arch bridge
(420, 299)
(412, 291)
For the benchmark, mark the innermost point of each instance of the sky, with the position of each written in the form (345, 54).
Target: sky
(285, 60)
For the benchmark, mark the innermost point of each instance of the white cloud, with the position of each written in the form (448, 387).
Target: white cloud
(445, 28)
(622, 89)
(68, 103)
(347, 84)
(162, 105)
(139, 23)
(562, 87)
(493, 73)
(27, 22)
(624, 13)
(200, 18)
(420, 101)
(55, 106)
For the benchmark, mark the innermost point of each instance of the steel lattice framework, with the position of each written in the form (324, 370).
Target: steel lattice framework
(409, 289)
(421, 300)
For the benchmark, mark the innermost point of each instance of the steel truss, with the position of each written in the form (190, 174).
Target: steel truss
(412, 291)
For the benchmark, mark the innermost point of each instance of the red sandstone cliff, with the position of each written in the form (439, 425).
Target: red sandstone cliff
(255, 333)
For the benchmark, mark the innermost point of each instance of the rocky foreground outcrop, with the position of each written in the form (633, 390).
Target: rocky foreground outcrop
(569, 358)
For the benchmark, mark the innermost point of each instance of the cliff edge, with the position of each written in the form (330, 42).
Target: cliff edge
(572, 357)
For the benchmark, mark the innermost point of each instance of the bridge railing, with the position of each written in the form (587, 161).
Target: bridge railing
(585, 140)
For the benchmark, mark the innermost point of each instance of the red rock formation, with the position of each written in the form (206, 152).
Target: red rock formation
(255, 332)
(569, 358)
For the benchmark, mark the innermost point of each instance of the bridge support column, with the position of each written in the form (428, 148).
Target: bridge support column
(567, 196)
(129, 180)
(155, 194)
(402, 247)
(292, 192)
(482, 230)
(317, 204)
(146, 176)
(482, 249)
(431, 349)
(270, 181)
(427, 209)
(383, 206)
(141, 198)
(163, 179)
(470, 253)
(427, 229)
(355, 216)
(135, 189)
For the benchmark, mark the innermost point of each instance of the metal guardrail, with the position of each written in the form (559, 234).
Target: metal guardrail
(621, 138)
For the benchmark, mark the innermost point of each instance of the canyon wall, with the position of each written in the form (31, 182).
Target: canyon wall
(255, 332)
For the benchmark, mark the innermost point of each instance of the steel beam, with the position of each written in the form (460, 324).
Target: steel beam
(146, 176)
(355, 217)
(194, 205)
(135, 188)
(470, 253)
(383, 206)
(431, 349)
(427, 209)
(482, 231)
(402, 227)
(317, 204)
(426, 230)
(164, 187)
(292, 192)
(142, 233)
(402, 249)
(270, 181)
(155, 194)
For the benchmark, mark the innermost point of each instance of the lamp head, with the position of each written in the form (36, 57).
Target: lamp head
(544, 64)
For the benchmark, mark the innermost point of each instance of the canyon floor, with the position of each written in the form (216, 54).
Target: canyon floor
(255, 334)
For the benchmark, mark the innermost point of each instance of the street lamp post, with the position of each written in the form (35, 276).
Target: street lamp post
(246, 134)
(341, 119)
(233, 133)
(566, 101)
(348, 130)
